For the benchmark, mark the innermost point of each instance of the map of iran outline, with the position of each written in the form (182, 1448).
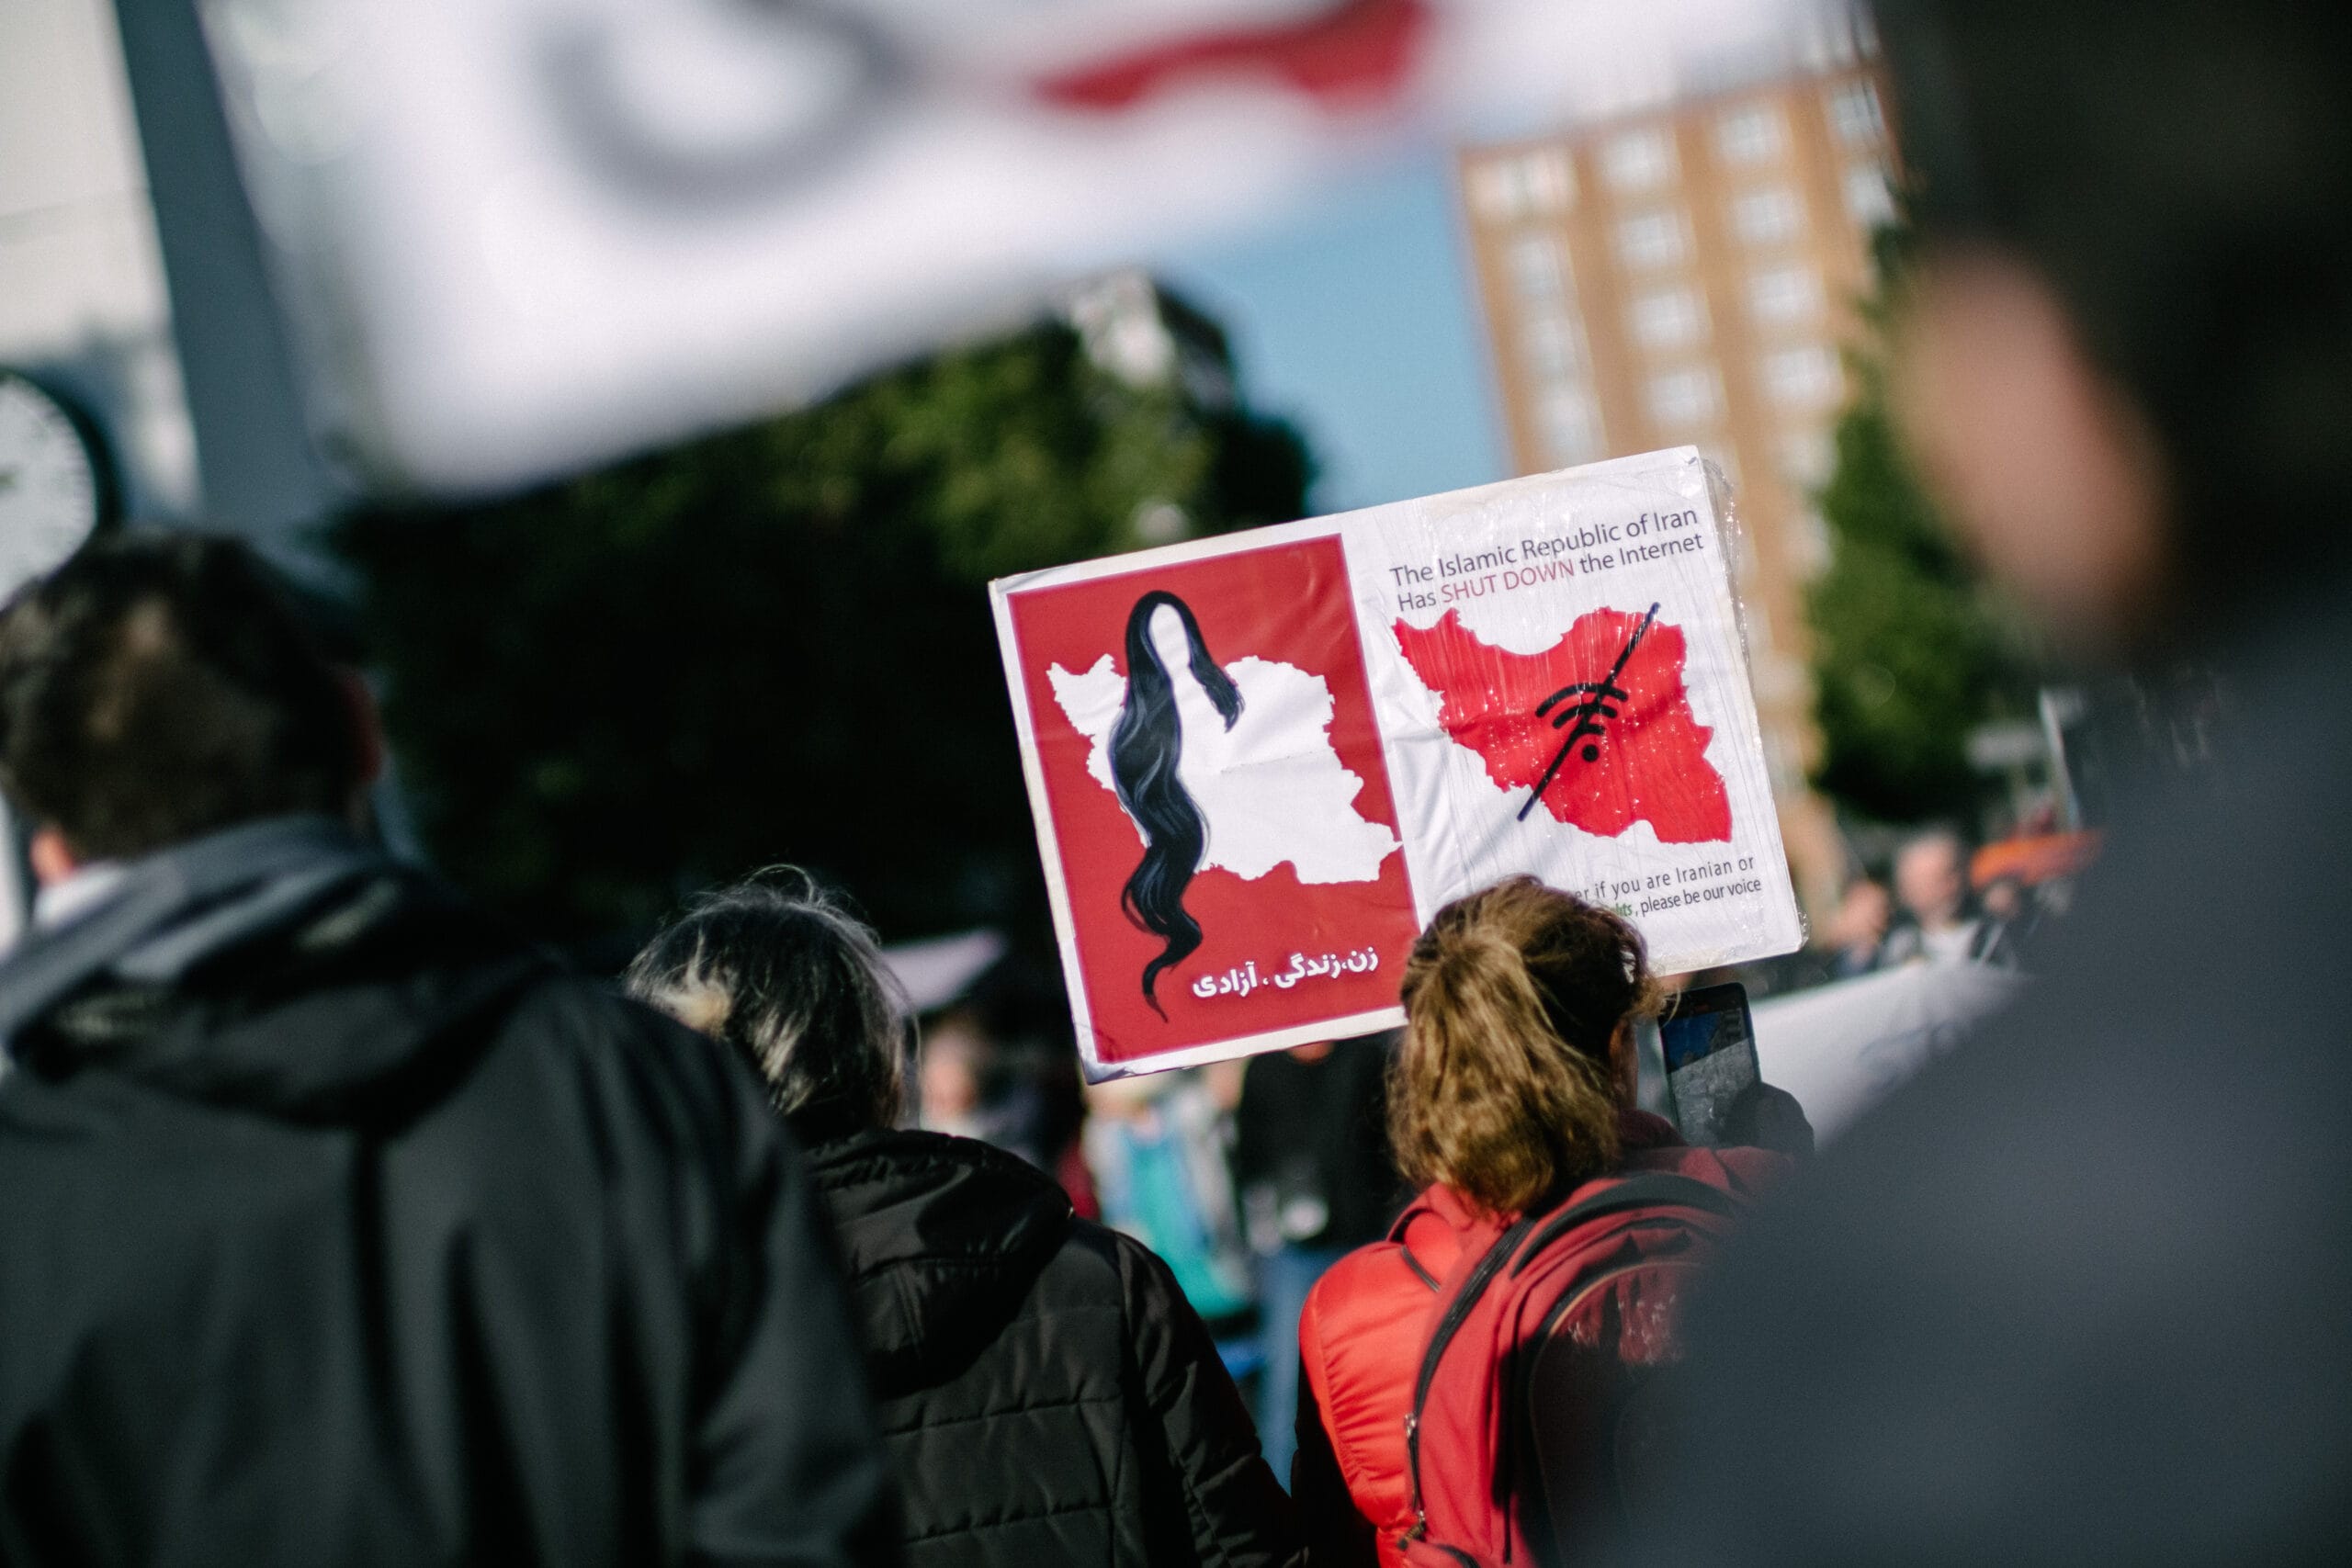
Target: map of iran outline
(1302, 859)
(1628, 748)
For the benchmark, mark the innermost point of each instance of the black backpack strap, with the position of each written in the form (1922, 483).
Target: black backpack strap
(1456, 1313)
(1647, 1189)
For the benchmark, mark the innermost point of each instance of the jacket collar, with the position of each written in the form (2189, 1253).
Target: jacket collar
(940, 1239)
(167, 912)
(283, 967)
(1638, 1131)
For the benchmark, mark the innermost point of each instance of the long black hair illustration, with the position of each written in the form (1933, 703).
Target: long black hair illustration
(1146, 746)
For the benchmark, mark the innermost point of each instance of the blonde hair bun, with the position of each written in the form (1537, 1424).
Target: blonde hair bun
(1506, 1088)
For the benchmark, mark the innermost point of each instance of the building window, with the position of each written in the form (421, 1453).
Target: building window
(1751, 135)
(1638, 161)
(1767, 217)
(1811, 542)
(1685, 399)
(1652, 240)
(1570, 426)
(1537, 271)
(1806, 458)
(1803, 377)
(1551, 180)
(1868, 196)
(1671, 317)
(1527, 184)
(1552, 349)
(1495, 193)
(1855, 115)
(1784, 294)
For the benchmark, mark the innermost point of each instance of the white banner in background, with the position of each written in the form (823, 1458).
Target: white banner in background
(1842, 1048)
(520, 236)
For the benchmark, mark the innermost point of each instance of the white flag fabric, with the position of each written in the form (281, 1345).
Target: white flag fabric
(520, 236)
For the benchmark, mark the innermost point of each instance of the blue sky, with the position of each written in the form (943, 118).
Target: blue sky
(1353, 314)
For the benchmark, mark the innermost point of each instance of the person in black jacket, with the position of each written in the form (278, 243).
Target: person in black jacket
(339, 1226)
(1046, 1391)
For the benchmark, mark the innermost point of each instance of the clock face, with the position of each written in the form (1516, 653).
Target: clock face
(49, 484)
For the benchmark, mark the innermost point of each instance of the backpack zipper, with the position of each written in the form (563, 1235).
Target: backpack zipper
(1456, 1313)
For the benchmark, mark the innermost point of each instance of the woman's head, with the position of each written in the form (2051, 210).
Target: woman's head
(1517, 1003)
(795, 984)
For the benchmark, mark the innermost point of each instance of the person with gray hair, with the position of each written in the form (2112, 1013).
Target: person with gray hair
(1047, 1392)
(770, 964)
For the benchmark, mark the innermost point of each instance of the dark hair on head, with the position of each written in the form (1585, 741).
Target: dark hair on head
(1145, 747)
(778, 969)
(157, 687)
(1504, 1088)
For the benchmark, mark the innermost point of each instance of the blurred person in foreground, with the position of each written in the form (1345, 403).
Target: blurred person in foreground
(339, 1225)
(1513, 1096)
(1048, 1394)
(2079, 1292)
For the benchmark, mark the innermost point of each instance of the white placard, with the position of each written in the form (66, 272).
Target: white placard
(1347, 722)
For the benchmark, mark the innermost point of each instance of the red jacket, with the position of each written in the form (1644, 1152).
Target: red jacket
(1359, 1342)
(1366, 1323)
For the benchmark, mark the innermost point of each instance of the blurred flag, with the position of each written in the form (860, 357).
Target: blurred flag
(519, 236)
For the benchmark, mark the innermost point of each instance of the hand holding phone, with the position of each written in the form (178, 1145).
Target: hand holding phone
(1708, 1038)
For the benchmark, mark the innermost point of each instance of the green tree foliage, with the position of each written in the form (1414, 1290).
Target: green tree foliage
(1909, 651)
(775, 644)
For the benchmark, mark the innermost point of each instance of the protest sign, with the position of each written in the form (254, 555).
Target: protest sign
(1258, 763)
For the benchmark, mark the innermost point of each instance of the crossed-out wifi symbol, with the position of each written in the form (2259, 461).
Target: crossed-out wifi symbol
(1585, 715)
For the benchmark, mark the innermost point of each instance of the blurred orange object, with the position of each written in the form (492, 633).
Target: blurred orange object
(2034, 860)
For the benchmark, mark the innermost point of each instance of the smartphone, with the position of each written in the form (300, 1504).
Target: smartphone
(1709, 1042)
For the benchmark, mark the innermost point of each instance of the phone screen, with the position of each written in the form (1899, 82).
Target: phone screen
(1709, 1043)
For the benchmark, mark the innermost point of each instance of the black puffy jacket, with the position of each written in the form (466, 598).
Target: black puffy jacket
(371, 1238)
(1048, 1393)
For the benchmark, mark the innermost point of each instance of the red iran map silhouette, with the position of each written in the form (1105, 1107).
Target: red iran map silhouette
(1649, 760)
